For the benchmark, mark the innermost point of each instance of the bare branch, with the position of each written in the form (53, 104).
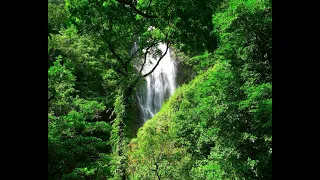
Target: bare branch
(145, 56)
(157, 168)
(158, 61)
(132, 85)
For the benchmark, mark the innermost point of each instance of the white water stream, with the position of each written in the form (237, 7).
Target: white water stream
(159, 86)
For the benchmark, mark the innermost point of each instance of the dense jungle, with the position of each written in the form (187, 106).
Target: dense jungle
(159, 89)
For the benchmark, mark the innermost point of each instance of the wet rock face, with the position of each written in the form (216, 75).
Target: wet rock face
(184, 72)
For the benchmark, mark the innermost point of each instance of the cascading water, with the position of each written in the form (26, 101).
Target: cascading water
(159, 85)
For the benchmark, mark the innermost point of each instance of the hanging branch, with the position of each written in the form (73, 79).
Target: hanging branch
(157, 171)
(145, 56)
(132, 85)
(158, 61)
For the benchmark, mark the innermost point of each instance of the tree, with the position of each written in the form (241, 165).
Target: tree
(223, 117)
(116, 24)
(218, 126)
(77, 138)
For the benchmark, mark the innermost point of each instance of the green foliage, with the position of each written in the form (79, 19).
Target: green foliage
(218, 126)
(222, 119)
(194, 35)
(87, 59)
(77, 139)
(56, 15)
(201, 62)
(60, 88)
(154, 153)
(208, 124)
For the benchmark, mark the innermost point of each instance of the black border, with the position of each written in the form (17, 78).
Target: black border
(286, 46)
(24, 89)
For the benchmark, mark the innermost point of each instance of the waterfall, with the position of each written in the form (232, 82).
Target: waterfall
(159, 85)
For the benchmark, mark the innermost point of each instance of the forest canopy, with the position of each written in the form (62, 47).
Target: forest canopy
(216, 125)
